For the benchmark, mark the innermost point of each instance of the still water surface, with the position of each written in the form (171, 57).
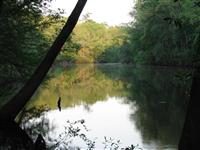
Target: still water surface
(143, 106)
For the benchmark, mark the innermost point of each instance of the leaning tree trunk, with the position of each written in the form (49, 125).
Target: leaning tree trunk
(14, 106)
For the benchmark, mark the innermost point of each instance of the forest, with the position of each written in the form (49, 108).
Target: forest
(161, 33)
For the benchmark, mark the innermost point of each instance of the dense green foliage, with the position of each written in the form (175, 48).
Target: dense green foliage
(22, 43)
(90, 42)
(18, 51)
(20, 40)
(165, 32)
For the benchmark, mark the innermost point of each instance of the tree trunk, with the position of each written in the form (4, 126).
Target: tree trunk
(11, 134)
(190, 138)
(1, 3)
(14, 106)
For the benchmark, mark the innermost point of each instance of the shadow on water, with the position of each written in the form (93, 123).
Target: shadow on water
(157, 98)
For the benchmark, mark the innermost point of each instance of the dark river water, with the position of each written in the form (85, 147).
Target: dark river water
(113, 105)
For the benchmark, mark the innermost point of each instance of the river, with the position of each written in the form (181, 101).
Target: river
(113, 105)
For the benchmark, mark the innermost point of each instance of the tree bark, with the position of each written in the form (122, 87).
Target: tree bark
(14, 106)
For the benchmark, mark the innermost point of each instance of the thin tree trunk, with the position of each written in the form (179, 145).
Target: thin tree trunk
(1, 4)
(14, 106)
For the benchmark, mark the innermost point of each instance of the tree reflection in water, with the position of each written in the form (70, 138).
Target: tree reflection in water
(161, 101)
(159, 96)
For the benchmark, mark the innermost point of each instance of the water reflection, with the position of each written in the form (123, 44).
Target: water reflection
(78, 85)
(138, 105)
